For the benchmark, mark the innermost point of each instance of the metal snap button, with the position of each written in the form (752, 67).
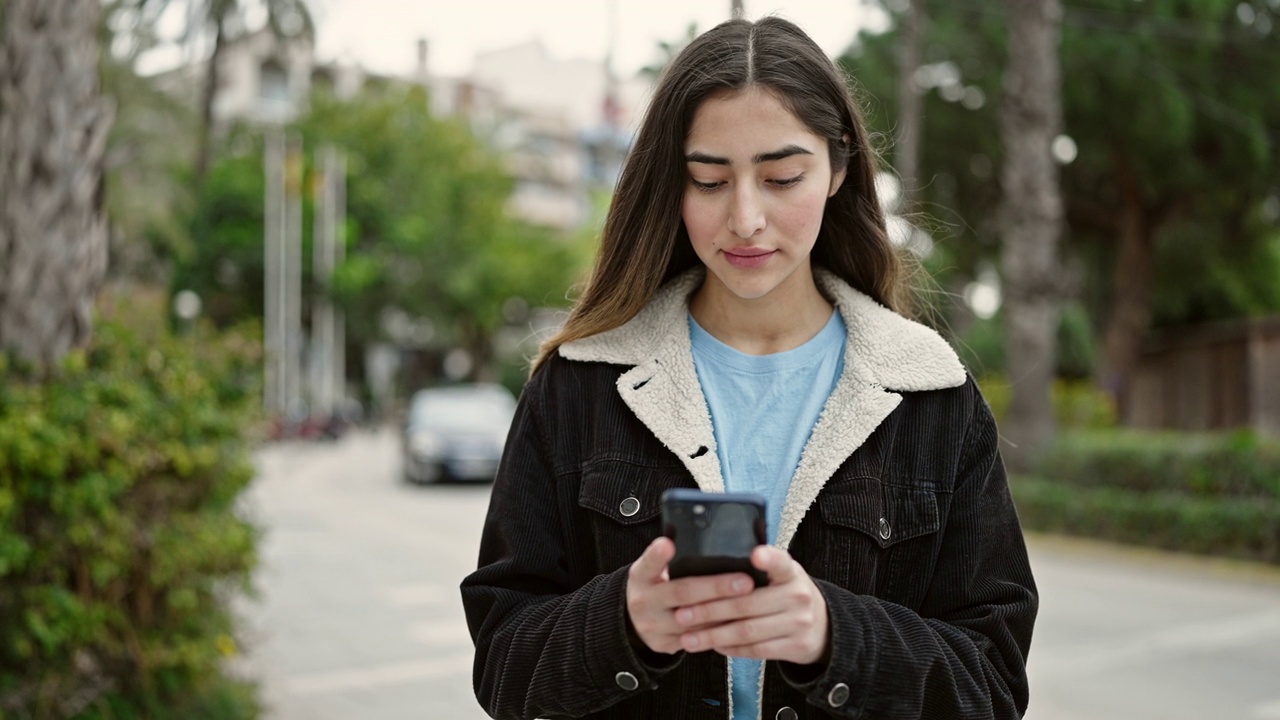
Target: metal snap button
(884, 529)
(839, 695)
(786, 713)
(626, 680)
(629, 507)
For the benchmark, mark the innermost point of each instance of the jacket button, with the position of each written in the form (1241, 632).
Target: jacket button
(839, 695)
(629, 507)
(786, 713)
(626, 681)
(885, 532)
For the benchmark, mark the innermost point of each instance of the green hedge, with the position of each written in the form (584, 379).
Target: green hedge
(1220, 526)
(1196, 492)
(120, 543)
(1235, 465)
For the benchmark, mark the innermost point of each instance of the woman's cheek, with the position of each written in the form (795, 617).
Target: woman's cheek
(700, 221)
(805, 218)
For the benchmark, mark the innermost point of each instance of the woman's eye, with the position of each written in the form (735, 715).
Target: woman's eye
(707, 186)
(787, 182)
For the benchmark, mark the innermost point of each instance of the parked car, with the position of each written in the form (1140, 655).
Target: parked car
(456, 432)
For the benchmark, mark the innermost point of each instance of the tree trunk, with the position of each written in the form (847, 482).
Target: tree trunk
(479, 344)
(1131, 297)
(53, 133)
(209, 93)
(1031, 222)
(906, 152)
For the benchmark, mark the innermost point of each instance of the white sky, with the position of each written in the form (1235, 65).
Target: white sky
(382, 34)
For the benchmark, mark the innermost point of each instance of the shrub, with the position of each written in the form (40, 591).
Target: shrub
(119, 537)
(982, 350)
(1077, 343)
(1216, 493)
(1077, 404)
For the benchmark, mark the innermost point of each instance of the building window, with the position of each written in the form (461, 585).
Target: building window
(273, 82)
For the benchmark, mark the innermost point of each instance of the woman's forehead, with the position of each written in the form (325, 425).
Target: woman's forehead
(747, 123)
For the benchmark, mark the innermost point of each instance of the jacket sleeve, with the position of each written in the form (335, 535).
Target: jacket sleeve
(963, 655)
(544, 648)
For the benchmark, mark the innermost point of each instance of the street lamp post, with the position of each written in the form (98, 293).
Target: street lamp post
(274, 370)
(326, 332)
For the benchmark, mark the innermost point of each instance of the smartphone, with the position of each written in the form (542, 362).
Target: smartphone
(714, 532)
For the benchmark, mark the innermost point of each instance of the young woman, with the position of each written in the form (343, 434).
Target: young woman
(742, 330)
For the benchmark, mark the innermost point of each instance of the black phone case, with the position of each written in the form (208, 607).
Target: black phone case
(714, 532)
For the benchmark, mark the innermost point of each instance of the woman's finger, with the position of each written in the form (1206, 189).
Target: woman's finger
(652, 563)
(776, 563)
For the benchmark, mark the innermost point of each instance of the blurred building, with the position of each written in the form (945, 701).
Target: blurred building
(546, 155)
(260, 79)
(565, 124)
(562, 124)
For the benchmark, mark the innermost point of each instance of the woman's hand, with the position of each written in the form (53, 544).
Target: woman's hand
(653, 598)
(784, 620)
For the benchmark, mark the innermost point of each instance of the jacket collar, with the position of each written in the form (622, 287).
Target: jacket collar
(884, 352)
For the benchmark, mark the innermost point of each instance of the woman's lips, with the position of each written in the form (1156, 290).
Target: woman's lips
(748, 257)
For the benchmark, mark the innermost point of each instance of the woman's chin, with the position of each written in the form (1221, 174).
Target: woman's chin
(752, 284)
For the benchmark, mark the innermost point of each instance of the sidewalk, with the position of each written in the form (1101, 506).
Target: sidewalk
(1136, 633)
(360, 616)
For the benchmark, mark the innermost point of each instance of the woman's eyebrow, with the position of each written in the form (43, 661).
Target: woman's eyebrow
(786, 152)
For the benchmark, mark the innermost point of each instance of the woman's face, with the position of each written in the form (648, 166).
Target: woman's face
(758, 182)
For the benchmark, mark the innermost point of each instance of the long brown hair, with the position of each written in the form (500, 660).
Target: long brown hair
(645, 243)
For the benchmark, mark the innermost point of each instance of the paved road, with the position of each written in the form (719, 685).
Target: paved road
(359, 616)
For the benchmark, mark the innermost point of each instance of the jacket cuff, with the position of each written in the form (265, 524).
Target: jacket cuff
(618, 667)
(842, 687)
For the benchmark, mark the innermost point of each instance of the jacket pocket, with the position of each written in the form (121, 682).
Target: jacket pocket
(879, 536)
(624, 504)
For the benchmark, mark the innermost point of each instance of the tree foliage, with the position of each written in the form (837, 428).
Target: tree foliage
(429, 230)
(149, 196)
(1172, 105)
(428, 236)
(222, 259)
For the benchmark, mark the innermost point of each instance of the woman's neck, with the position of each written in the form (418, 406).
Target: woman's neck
(788, 317)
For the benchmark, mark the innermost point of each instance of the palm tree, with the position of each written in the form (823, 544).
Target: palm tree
(1031, 220)
(54, 124)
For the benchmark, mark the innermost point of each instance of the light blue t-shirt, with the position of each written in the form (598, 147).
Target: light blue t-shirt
(763, 409)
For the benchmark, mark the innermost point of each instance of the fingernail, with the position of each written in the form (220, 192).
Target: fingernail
(739, 585)
(691, 641)
(685, 616)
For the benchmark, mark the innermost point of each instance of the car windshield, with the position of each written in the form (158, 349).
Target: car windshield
(462, 409)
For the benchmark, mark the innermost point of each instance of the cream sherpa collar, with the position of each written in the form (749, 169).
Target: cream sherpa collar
(885, 352)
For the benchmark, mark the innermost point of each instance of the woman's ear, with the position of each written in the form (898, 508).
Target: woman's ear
(837, 177)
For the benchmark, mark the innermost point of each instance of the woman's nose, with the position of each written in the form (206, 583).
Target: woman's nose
(746, 216)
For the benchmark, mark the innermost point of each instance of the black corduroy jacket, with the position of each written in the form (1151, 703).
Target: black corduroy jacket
(899, 510)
